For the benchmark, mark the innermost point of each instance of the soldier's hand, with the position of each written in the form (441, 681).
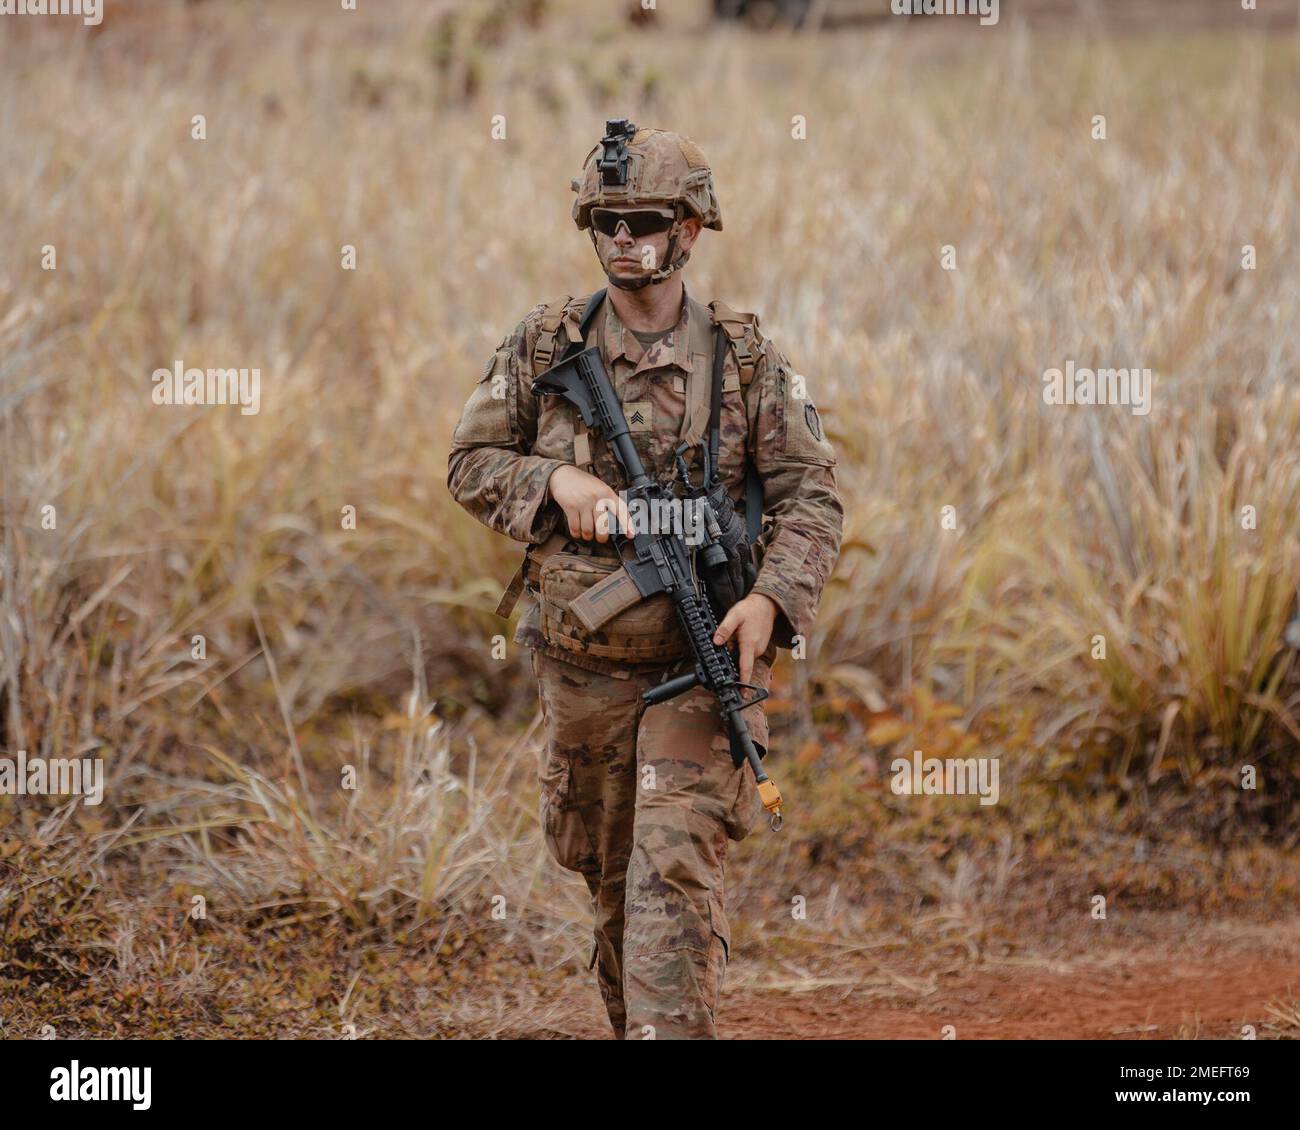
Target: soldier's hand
(750, 621)
(589, 505)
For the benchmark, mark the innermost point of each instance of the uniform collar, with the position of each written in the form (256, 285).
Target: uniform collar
(621, 342)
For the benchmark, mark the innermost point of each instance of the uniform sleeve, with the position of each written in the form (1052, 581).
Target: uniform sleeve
(490, 470)
(796, 463)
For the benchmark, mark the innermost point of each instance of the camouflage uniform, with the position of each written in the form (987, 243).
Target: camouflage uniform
(641, 801)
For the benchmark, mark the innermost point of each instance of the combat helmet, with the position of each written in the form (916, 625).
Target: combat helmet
(653, 167)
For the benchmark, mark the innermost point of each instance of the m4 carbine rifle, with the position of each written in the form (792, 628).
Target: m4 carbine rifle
(658, 561)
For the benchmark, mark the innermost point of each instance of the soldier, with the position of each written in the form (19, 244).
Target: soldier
(641, 801)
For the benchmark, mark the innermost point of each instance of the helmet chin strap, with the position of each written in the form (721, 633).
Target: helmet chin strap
(661, 275)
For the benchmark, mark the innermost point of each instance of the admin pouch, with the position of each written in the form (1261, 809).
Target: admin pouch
(627, 628)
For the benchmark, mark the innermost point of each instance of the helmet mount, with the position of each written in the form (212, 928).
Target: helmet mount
(614, 161)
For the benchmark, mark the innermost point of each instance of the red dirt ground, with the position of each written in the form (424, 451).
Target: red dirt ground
(1203, 999)
(1233, 976)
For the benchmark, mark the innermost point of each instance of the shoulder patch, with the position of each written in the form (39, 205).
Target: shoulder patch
(812, 421)
(801, 428)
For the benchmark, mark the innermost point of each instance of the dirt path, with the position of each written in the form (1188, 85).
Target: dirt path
(1251, 977)
(1207, 1000)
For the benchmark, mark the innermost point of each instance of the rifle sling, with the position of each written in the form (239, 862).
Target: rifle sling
(753, 484)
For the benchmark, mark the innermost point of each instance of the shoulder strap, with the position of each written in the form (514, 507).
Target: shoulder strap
(715, 406)
(588, 316)
(563, 314)
(544, 347)
(576, 336)
(721, 335)
(733, 325)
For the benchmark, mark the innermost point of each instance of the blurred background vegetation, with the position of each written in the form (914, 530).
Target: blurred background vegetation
(371, 647)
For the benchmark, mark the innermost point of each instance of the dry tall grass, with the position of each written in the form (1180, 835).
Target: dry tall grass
(325, 645)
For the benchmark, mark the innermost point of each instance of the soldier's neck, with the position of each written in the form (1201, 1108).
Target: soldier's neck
(652, 308)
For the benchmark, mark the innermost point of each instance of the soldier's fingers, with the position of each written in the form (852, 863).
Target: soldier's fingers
(607, 495)
(746, 655)
(588, 524)
(624, 516)
(604, 519)
(573, 517)
(727, 627)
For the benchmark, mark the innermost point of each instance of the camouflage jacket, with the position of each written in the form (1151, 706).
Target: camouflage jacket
(509, 441)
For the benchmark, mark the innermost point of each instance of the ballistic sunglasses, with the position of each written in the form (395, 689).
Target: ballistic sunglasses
(640, 221)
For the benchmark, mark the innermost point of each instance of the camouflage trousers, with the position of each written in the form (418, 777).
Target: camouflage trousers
(641, 802)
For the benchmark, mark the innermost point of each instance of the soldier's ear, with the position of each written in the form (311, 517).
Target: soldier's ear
(691, 228)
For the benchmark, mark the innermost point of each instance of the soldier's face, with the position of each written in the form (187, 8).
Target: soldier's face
(630, 257)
